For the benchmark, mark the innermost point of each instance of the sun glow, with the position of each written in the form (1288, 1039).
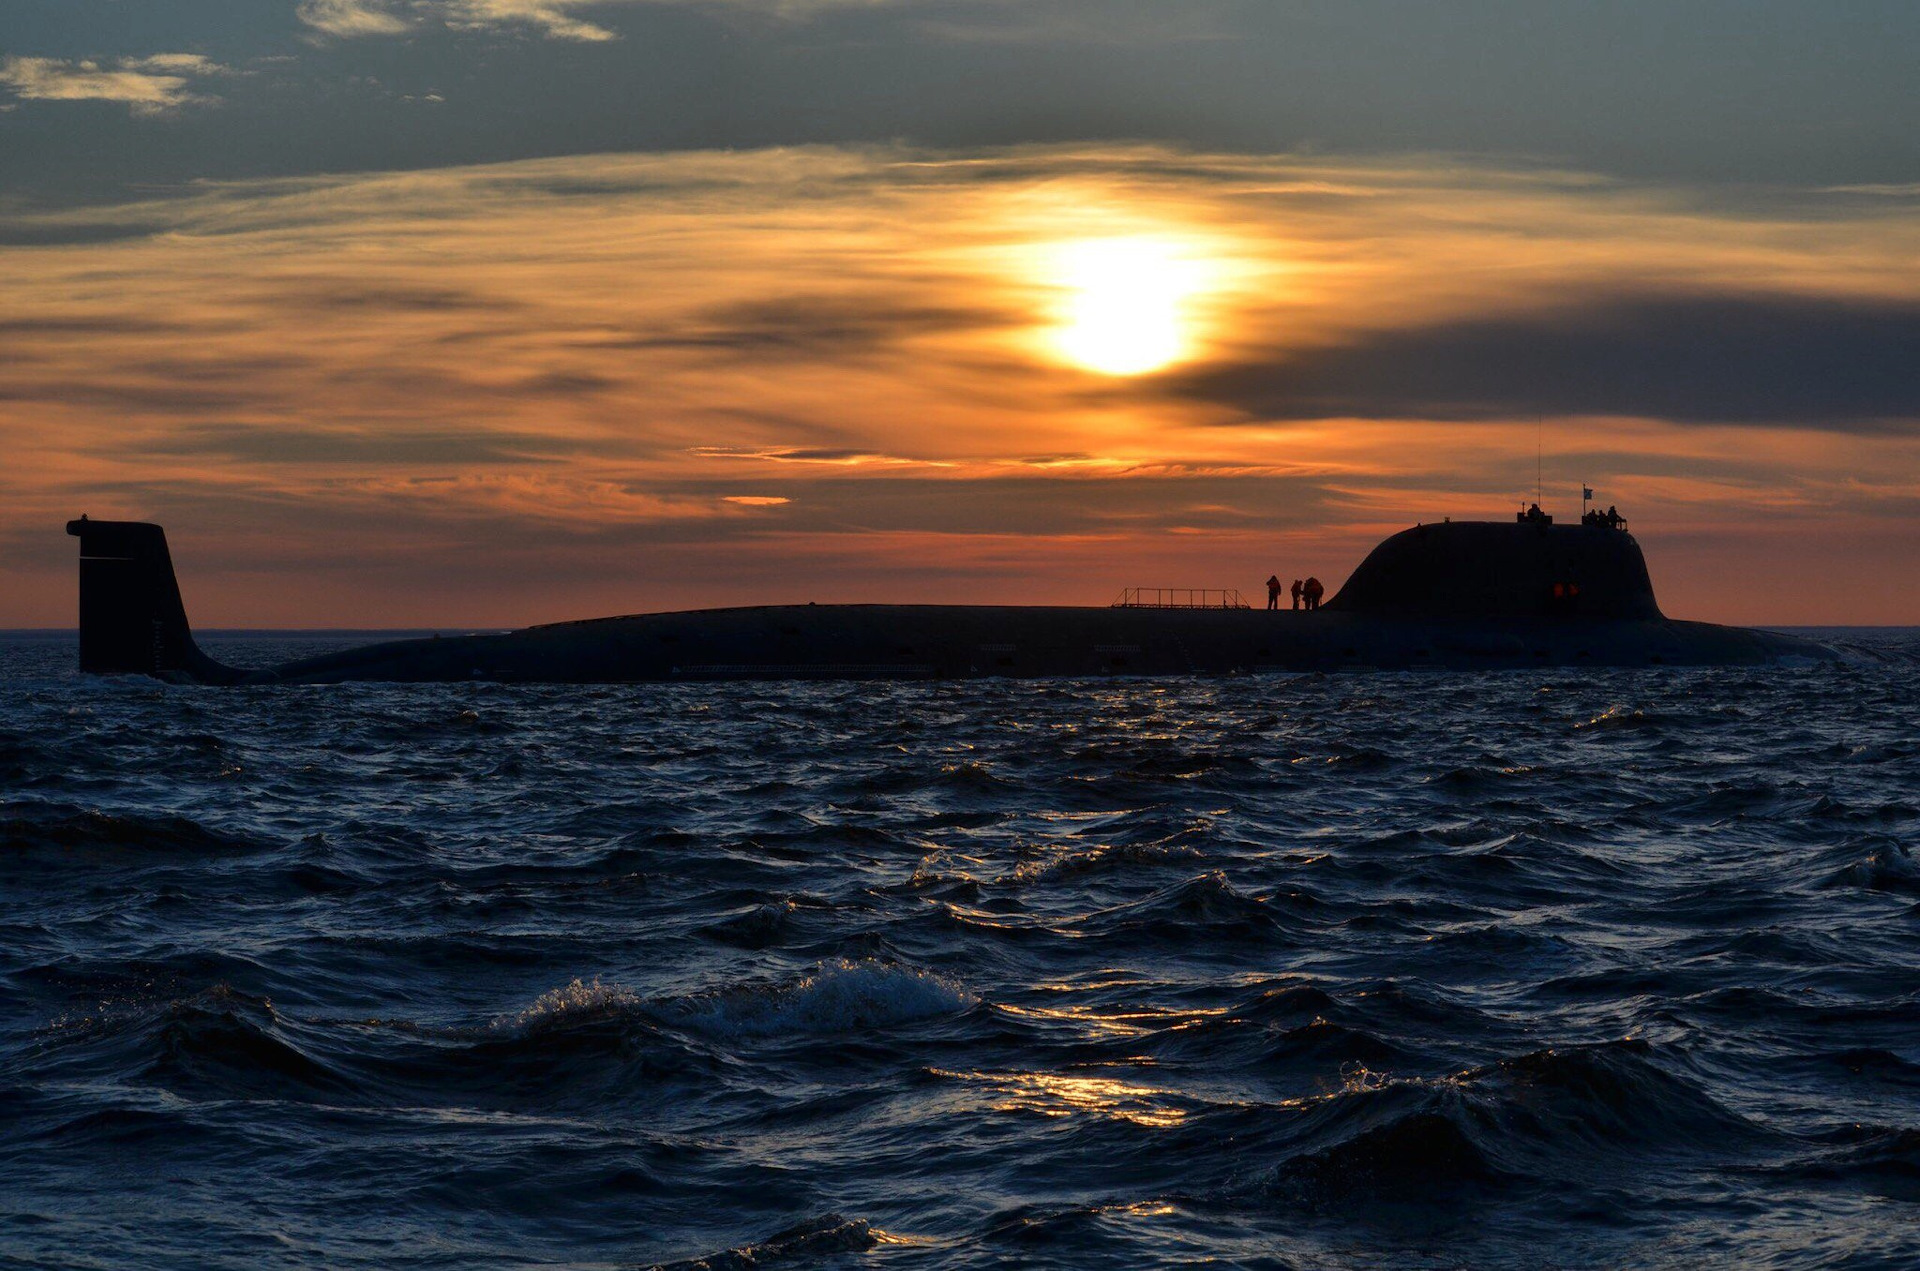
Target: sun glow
(1128, 301)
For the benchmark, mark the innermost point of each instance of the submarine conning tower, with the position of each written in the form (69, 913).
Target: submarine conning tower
(1501, 569)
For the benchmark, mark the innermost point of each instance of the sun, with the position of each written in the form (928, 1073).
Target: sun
(1125, 303)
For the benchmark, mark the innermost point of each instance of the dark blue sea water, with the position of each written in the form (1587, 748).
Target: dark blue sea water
(1513, 970)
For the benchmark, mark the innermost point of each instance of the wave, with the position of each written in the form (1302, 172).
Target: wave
(1291, 1030)
(451, 723)
(116, 1130)
(1205, 909)
(1890, 867)
(1564, 1117)
(1632, 719)
(1882, 1161)
(570, 1006)
(44, 827)
(1079, 862)
(1417, 1157)
(840, 997)
(219, 1041)
(756, 927)
(807, 1241)
(1874, 1063)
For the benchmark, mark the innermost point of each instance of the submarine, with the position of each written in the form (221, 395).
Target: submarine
(1459, 595)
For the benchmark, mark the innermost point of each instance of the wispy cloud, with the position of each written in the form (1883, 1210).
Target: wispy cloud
(150, 85)
(837, 458)
(1880, 189)
(554, 19)
(352, 18)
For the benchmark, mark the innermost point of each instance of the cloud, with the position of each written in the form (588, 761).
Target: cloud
(1879, 189)
(66, 232)
(570, 504)
(841, 457)
(351, 18)
(355, 18)
(356, 447)
(1033, 505)
(152, 85)
(814, 326)
(349, 295)
(1844, 363)
(1641, 88)
(48, 327)
(500, 363)
(550, 17)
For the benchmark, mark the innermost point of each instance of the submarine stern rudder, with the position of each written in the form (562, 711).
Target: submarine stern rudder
(132, 621)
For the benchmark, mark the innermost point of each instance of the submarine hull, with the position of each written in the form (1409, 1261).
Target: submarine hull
(956, 642)
(1457, 596)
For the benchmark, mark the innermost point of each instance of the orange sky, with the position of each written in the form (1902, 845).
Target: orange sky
(557, 388)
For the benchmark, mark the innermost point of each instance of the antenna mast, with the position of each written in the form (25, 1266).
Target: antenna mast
(1539, 450)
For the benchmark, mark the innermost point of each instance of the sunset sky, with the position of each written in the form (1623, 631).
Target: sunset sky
(486, 312)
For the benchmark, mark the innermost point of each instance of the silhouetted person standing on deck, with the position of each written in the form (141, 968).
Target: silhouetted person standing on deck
(1297, 589)
(1273, 591)
(1313, 591)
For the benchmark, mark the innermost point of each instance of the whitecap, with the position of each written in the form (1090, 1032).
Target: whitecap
(839, 997)
(575, 1003)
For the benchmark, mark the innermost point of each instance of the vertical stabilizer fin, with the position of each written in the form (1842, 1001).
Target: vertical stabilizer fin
(131, 617)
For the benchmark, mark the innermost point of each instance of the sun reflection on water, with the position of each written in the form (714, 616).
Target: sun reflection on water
(1056, 1095)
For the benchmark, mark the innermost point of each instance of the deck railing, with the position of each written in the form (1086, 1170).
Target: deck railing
(1180, 598)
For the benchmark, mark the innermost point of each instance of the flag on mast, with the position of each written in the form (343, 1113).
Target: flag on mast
(1586, 492)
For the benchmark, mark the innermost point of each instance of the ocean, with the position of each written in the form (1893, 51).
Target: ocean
(1524, 969)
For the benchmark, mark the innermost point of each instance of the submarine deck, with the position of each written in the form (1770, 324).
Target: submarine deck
(963, 641)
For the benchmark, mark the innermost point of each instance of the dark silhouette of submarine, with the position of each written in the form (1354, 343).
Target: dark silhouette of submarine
(1473, 595)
